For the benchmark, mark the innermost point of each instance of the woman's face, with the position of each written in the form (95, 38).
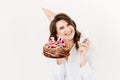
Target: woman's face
(65, 30)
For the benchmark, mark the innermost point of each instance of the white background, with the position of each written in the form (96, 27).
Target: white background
(24, 28)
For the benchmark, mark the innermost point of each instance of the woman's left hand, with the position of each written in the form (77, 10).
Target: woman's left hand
(84, 47)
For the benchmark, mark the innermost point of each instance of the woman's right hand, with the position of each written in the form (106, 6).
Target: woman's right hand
(59, 61)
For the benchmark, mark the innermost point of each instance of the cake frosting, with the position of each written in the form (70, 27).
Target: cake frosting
(55, 49)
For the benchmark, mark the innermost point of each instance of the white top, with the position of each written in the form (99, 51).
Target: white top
(71, 70)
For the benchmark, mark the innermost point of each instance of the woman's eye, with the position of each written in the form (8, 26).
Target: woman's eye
(61, 28)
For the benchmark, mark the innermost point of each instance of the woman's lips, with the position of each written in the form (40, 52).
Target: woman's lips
(68, 33)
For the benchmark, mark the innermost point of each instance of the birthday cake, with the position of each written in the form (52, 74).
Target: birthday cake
(55, 49)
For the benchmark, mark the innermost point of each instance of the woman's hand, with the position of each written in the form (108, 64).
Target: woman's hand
(59, 61)
(84, 48)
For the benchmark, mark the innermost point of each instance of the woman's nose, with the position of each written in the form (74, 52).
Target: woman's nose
(67, 30)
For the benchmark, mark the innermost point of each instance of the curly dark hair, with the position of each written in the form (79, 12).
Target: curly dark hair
(63, 16)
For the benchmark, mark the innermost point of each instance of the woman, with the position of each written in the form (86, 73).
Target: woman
(75, 66)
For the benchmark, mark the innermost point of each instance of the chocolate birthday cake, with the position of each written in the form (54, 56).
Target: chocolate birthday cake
(55, 49)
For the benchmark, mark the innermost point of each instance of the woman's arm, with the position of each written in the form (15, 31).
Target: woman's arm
(86, 69)
(83, 60)
(57, 72)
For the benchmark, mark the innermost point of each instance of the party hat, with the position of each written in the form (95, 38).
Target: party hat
(50, 14)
